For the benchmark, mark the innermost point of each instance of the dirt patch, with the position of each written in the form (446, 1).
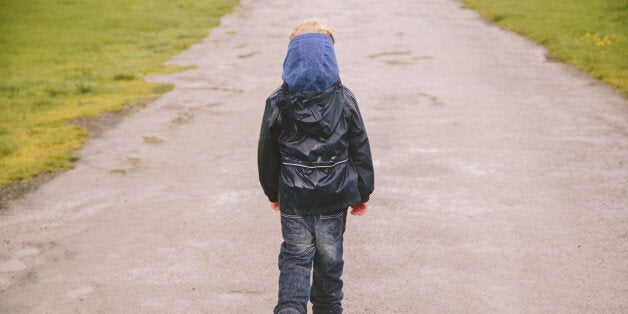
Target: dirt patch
(133, 165)
(152, 140)
(433, 100)
(399, 57)
(422, 58)
(248, 55)
(224, 89)
(96, 126)
(15, 190)
(389, 53)
(397, 62)
(184, 118)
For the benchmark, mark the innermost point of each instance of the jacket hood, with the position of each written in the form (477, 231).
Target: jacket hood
(310, 63)
(314, 113)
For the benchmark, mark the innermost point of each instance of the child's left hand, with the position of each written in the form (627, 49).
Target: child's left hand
(274, 206)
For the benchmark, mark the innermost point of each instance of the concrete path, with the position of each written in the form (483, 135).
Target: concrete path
(501, 179)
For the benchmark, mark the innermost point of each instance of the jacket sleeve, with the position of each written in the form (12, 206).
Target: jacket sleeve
(360, 153)
(268, 157)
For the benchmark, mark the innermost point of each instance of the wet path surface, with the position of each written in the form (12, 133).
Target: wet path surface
(501, 179)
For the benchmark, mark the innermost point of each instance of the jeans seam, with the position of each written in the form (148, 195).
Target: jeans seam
(292, 216)
(332, 216)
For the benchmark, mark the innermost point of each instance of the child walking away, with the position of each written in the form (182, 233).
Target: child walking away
(314, 162)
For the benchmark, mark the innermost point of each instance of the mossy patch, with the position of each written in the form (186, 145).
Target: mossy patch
(66, 60)
(592, 35)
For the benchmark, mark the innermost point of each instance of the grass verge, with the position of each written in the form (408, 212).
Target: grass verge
(592, 35)
(66, 59)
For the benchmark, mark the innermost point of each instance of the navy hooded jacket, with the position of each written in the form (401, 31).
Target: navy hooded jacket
(313, 152)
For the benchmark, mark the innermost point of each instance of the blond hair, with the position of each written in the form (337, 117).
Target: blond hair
(312, 25)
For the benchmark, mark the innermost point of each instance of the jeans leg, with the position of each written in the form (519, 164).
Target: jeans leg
(326, 294)
(295, 263)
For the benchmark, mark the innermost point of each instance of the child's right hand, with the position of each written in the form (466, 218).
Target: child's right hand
(359, 209)
(274, 206)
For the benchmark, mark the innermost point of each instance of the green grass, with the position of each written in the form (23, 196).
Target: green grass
(590, 34)
(65, 59)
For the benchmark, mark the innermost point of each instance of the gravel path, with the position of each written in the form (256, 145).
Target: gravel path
(501, 179)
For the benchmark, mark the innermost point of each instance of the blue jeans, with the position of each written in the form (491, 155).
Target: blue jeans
(311, 239)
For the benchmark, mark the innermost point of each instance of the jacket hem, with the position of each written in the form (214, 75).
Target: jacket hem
(320, 210)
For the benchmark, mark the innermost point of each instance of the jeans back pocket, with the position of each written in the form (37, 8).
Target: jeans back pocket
(331, 227)
(293, 229)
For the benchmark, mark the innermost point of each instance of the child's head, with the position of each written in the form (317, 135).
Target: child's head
(310, 64)
(312, 25)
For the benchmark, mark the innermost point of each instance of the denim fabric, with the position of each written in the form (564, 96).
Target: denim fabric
(311, 240)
